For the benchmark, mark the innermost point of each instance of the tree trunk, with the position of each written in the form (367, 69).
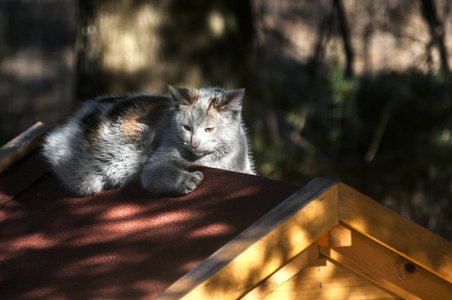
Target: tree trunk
(345, 32)
(144, 45)
(436, 31)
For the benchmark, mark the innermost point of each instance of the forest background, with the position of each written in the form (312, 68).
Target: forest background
(356, 91)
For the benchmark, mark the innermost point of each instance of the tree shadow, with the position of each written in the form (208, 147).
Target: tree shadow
(121, 244)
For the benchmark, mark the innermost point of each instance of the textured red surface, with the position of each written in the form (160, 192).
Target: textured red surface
(119, 244)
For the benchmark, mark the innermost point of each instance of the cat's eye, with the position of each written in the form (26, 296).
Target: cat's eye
(209, 129)
(186, 127)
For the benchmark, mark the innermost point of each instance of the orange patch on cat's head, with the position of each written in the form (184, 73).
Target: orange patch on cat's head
(181, 95)
(193, 96)
(215, 104)
(232, 101)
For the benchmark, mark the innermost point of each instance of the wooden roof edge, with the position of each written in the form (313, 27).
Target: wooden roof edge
(395, 232)
(23, 144)
(297, 223)
(264, 247)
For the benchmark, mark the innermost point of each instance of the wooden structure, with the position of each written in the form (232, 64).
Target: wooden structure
(327, 241)
(259, 240)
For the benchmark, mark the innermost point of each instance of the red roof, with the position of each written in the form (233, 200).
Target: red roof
(119, 244)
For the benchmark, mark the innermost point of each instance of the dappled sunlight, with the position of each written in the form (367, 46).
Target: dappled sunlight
(119, 244)
(33, 241)
(288, 55)
(217, 23)
(43, 292)
(136, 39)
(20, 66)
(211, 230)
(120, 212)
(265, 246)
(357, 91)
(95, 265)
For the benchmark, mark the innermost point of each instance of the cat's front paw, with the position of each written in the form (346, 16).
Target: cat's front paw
(190, 182)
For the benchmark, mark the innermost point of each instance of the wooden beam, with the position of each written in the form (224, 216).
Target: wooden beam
(22, 145)
(308, 258)
(264, 247)
(389, 270)
(314, 257)
(282, 275)
(338, 236)
(331, 281)
(399, 234)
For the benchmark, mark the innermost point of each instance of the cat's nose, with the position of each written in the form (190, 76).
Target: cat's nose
(194, 145)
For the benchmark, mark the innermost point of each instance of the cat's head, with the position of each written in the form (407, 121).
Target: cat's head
(208, 119)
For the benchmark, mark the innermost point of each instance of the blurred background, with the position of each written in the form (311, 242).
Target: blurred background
(356, 91)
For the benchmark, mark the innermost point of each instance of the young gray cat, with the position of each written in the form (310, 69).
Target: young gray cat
(113, 140)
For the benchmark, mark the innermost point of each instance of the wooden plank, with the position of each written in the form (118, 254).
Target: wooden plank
(389, 270)
(401, 235)
(314, 257)
(329, 282)
(263, 248)
(307, 258)
(280, 276)
(22, 145)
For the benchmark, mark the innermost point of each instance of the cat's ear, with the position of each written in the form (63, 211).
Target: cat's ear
(234, 99)
(183, 96)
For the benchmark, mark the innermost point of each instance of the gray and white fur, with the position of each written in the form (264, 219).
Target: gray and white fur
(111, 141)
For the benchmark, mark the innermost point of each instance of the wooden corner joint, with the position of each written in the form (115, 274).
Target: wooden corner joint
(338, 236)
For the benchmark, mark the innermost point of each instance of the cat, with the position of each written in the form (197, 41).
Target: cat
(113, 140)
